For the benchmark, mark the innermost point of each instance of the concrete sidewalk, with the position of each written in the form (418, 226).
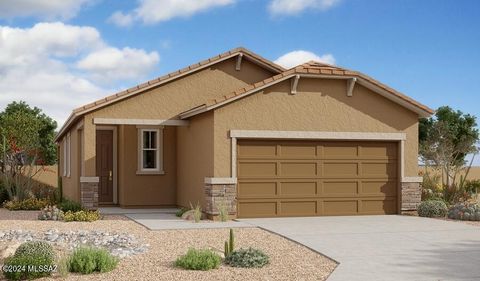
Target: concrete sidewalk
(387, 247)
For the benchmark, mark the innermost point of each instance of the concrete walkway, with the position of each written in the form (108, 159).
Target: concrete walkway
(387, 247)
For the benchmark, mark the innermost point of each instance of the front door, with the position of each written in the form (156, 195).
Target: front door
(104, 164)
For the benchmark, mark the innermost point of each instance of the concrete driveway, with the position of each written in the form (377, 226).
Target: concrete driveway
(387, 247)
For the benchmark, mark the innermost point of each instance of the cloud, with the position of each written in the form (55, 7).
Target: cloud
(58, 67)
(45, 9)
(289, 7)
(298, 57)
(155, 11)
(112, 63)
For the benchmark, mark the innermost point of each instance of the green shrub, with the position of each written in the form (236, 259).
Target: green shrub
(27, 204)
(247, 258)
(464, 211)
(50, 213)
(472, 186)
(432, 209)
(199, 260)
(86, 260)
(27, 267)
(69, 205)
(36, 249)
(180, 212)
(222, 211)
(82, 216)
(197, 212)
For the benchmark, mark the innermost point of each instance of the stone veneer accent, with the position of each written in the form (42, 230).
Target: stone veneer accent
(218, 194)
(411, 195)
(89, 195)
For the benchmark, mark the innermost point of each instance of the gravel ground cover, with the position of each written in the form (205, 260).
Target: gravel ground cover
(288, 260)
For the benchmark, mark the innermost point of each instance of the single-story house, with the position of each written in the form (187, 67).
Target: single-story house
(241, 132)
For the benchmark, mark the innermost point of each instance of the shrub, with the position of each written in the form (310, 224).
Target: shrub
(27, 267)
(180, 212)
(472, 186)
(3, 193)
(464, 211)
(223, 211)
(50, 213)
(247, 258)
(31, 260)
(81, 216)
(199, 260)
(86, 260)
(69, 205)
(432, 209)
(27, 204)
(36, 249)
(197, 212)
(431, 187)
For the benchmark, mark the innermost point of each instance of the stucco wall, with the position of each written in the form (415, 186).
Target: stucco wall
(70, 185)
(195, 159)
(319, 105)
(145, 190)
(169, 100)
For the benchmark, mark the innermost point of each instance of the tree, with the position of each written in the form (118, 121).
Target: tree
(446, 139)
(27, 137)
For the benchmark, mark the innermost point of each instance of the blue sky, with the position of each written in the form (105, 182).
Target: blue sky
(60, 54)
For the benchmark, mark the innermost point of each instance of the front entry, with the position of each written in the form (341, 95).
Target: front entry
(104, 166)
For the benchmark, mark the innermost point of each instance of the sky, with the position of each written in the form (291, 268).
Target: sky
(61, 54)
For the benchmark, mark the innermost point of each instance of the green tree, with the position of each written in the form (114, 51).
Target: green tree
(27, 138)
(445, 140)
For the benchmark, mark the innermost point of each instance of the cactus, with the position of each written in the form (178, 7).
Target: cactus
(229, 245)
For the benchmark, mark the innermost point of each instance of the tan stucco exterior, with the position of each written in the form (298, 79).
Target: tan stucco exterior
(70, 184)
(319, 105)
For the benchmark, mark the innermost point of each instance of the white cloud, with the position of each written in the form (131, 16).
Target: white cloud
(154, 11)
(45, 9)
(51, 65)
(112, 63)
(298, 57)
(293, 7)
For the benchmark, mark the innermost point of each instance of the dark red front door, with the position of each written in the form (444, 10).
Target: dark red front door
(104, 164)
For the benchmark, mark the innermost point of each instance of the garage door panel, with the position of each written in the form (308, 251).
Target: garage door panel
(388, 188)
(340, 207)
(386, 170)
(256, 189)
(298, 208)
(340, 188)
(298, 188)
(257, 169)
(331, 169)
(257, 209)
(311, 178)
(296, 169)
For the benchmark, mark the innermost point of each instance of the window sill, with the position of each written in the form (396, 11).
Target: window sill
(150, 173)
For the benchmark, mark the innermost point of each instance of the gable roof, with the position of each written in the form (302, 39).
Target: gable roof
(314, 69)
(251, 56)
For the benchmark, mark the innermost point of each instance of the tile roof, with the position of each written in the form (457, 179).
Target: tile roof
(310, 68)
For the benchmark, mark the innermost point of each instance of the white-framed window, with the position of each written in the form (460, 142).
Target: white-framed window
(66, 155)
(150, 151)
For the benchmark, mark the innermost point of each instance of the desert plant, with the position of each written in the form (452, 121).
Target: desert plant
(197, 212)
(31, 260)
(464, 211)
(247, 258)
(69, 205)
(86, 215)
(180, 212)
(432, 209)
(36, 248)
(27, 204)
(230, 244)
(86, 260)
(63, 263)
(222, 211)
(199, 260)
(50, 213)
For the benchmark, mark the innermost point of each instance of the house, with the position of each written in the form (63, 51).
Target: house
(239, 131)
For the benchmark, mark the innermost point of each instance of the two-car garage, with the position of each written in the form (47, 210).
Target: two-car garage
(279, 178)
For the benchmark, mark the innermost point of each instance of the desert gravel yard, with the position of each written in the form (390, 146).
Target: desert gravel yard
(288, 260)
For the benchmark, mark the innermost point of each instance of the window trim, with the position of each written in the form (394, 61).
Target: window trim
(159, 151)
(67, 156)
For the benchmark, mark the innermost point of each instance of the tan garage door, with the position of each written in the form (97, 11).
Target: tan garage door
(313, 178)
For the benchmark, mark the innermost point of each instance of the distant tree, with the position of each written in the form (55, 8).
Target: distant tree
(446, 139)
(27, 138)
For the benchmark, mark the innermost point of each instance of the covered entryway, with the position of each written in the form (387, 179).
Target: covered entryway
(281, 178)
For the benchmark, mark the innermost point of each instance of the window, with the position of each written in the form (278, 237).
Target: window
(66, 156)
(150, 151)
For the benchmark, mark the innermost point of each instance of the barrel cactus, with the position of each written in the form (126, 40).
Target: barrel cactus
(432, 209)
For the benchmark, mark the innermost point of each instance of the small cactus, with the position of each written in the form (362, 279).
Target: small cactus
(227, 250)
(229, 245)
